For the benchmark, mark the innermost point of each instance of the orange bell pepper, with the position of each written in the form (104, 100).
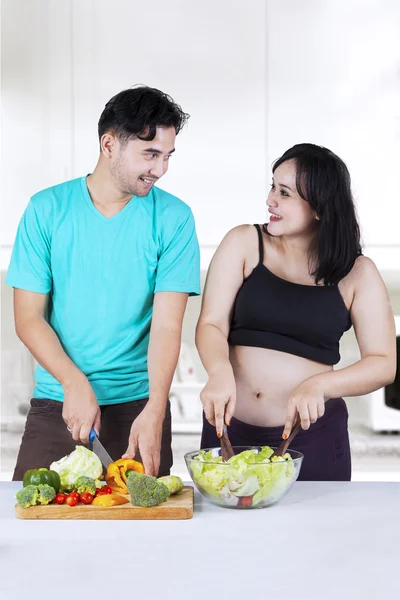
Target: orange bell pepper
(116, 473)
(109, 500)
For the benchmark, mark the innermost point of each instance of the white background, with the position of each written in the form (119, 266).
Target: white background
(256, 76)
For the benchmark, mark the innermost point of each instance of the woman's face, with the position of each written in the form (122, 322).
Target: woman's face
(290, 215)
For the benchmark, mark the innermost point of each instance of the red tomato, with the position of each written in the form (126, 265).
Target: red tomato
(60, 499)
(72, 499)
(106, 490)
(246, 501)
(86, 498)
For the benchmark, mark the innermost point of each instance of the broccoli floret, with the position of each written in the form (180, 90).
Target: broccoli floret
(46, 494)
(28, 496)
(146, 490)
(31, 495)
(84, 485)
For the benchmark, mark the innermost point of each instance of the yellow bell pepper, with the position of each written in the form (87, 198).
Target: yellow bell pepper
(116, 473)
(109, 500)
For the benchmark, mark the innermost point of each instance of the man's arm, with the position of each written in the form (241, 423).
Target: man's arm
(37, 335)
(81, 410)
(164, 346)
(163, 354)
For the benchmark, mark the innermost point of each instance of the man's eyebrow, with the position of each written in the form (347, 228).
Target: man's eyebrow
(155, 151)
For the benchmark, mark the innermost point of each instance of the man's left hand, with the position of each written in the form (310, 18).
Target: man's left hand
(145, 439)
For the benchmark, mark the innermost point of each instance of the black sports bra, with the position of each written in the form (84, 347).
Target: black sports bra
(304, 320)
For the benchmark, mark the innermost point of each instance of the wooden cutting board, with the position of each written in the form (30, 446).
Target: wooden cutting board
(179, 506)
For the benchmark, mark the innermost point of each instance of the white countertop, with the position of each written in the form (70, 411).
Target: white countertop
(324, 540)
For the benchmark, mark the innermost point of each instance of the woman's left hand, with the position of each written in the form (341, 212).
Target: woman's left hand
(308, 399)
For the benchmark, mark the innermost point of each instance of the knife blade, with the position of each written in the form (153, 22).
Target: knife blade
(99, 449)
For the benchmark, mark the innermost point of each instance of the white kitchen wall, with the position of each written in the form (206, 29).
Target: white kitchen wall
(334, 80)
(63, 62)
(257, 77)
(210, 56)
(35, 105)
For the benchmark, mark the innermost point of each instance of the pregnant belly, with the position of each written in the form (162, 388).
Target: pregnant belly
(265, 379)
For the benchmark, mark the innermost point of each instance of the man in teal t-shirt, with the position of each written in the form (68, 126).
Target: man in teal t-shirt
(102, 267)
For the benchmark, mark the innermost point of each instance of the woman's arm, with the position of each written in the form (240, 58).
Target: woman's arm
(224, 278)
(374, 327)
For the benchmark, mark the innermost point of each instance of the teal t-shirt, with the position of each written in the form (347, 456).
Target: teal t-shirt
(102, 275)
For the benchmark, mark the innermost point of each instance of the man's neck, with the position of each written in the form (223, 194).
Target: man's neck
(105, 195)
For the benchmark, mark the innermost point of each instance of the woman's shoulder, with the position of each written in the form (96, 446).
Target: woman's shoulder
(363, 267)
(363, 273)
(248, 231)
(241, 231)
(239, 245)
(244, 235)
(243, 240)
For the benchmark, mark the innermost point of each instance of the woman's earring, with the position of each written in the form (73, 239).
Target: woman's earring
(317, 217)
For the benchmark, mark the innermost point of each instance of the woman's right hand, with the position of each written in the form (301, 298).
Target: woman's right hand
(81, 410)
(218, 398)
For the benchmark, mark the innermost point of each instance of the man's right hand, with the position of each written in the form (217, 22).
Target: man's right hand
(81, 410)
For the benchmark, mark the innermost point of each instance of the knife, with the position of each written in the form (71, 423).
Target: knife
(99, 449)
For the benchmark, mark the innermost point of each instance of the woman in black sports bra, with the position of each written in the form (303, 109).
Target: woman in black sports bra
(277, 300)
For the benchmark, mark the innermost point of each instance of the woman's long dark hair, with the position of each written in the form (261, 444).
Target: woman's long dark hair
(323, 180)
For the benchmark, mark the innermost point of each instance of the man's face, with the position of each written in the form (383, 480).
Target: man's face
(136, 165)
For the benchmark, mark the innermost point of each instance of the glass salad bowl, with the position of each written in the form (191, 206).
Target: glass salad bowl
(248, 480)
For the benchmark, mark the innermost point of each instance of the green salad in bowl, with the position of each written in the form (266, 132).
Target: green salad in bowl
(250, 479)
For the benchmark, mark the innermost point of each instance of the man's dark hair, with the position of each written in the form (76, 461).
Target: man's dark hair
(138, 111)
(323, 180)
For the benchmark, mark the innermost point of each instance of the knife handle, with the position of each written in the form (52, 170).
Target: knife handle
(92, 435)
